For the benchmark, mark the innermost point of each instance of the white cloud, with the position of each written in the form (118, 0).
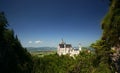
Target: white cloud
(38, 42)
(29, 42)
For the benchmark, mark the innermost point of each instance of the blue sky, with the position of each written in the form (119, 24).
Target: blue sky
(41, 23)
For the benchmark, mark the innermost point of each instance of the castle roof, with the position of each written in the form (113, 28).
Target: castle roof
(68, 45)
(65, 45)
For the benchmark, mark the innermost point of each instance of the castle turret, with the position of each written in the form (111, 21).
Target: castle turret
(80, 47)
(62, 42)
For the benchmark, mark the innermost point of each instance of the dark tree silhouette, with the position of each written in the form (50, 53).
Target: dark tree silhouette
(13, 57)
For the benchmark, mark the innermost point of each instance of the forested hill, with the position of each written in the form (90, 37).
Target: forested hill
(13, 57)
(106, 58)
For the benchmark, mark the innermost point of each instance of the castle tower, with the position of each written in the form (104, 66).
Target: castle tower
(80, 48)
(62, 42)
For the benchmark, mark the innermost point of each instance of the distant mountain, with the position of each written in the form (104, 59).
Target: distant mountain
(34, 49)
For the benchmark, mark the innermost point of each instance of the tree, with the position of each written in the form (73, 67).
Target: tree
(13, 57)
(110, 37)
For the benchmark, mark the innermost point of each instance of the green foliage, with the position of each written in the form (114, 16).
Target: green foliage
(111, 24)
(102, 68)
(84, 63)
(110, 38)
(3, 21)
(53, 64)
(13, 57)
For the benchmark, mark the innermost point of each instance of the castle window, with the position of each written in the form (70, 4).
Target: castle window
(61, 45)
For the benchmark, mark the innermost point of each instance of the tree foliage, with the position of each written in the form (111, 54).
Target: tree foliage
(110, 38)
(53, 64)
(13, 57)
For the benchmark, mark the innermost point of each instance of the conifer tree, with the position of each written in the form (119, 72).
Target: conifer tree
(13, 57)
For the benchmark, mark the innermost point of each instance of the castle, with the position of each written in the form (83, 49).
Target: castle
(64, 49)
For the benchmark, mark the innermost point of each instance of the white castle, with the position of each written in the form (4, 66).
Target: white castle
(64, 49)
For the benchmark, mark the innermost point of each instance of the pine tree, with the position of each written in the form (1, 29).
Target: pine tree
(13, 57)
